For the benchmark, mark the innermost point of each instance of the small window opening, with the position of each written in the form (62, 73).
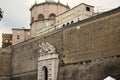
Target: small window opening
(87, 8)
(52, 16)
(67, 23)
(6, 41)
(72, 21)
(63, 25)
(18, 36)
(41, 17)
(32, 19)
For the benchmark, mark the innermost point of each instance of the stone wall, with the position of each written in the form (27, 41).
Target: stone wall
(95, 39)
(25, 76)
(88, 50)
(5, 63)
(25, 55)
(97, 69)
(92, 48)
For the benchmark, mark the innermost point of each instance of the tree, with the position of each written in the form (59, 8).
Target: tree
(1, 14)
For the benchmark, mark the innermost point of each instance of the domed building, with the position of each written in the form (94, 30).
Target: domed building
(44, 14)
(49, 16)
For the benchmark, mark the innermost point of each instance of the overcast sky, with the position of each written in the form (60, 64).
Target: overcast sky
(17, 14)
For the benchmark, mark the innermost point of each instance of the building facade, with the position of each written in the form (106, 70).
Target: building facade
(78, 13)
(6, 40)
(44, 20)
(20, 35)
(86, 49)
(44, 14)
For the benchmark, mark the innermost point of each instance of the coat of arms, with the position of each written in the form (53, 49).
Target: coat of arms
(46, 48)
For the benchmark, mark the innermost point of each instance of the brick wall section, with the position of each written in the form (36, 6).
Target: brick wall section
(5, 63)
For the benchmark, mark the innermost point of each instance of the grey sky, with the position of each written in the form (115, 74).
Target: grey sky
(16, 12)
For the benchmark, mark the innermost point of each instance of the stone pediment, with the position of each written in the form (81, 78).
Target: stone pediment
(46, 48)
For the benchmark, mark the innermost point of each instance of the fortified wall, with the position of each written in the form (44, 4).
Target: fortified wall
(5, 63)
(92, 48)
(25, 56)
(88, 50)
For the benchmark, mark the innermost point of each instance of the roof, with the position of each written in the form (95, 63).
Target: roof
(108, 13)
(6, 34)
(20, 29)
(75, 7)
(49, 2)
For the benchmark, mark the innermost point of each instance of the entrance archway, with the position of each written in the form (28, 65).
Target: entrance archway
(45, 73)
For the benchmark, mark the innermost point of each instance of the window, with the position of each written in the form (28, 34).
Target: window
(32, 19)
(40, 17)
(68, 23)
(6, 41)
(52, 16)
(63, 25)
(72, 21)
(18, 36)
(87, 8)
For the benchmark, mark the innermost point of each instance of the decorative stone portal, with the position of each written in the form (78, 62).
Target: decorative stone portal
(47, 62)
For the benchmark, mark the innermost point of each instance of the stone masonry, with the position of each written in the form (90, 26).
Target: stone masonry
(87, 50)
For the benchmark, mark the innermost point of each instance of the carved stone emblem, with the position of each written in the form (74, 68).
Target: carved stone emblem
(46, 48)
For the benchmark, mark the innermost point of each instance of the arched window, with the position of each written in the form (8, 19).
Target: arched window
(40, 17)
(52, 16)
(18, 36)
(45, 73)
(68, 23)
(63, 25)
(72, 21)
